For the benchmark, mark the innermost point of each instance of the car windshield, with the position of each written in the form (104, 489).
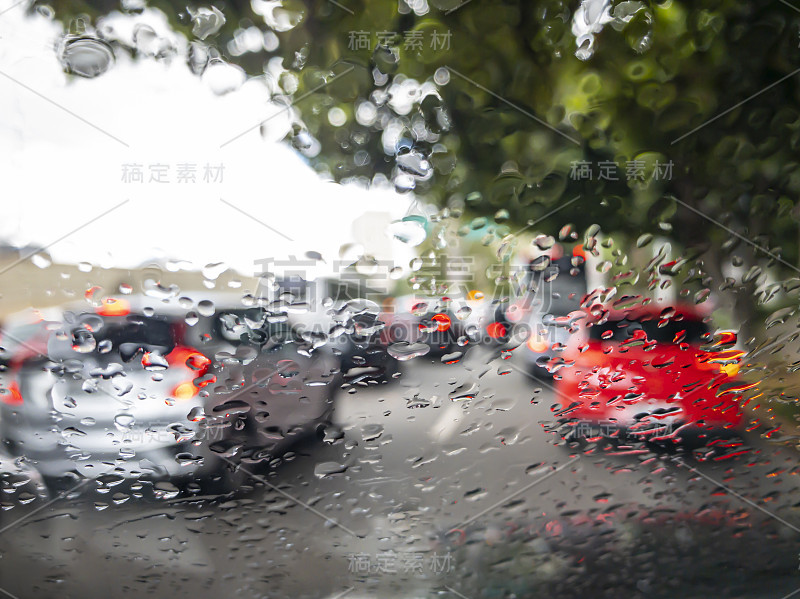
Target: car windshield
(414, 299)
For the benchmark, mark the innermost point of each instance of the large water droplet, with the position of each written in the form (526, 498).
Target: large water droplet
(415, 164)
(419, 309)
(280, 15)
(386, 59)
(124, 421)
(83, 341)
(324, 469)
(86, 56)
(463, 312)
(589, 20)
(402, 350)
(410, 230)
(165, 490)
(207, 21)
(205, 308)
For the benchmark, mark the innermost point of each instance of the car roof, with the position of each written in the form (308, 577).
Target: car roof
(648, 311)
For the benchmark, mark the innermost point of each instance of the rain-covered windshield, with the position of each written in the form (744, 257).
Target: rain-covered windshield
(346, 299)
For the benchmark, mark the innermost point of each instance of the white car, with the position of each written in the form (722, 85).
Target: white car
(109, 390)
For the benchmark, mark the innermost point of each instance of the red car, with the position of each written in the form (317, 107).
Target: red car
(652, 372)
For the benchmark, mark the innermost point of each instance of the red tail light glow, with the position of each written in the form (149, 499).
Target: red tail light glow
(12, 395)
(195, 363)
(113, 307)
(185, 390)
(496, 330)
(537, 344)
(727, 362)
(442, 322)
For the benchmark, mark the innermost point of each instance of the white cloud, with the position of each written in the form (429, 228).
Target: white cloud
(59, 172)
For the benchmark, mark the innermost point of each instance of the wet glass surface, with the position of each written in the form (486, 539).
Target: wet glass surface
(420, 298)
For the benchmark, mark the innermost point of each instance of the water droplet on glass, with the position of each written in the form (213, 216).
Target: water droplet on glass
(120, 498)
(86, 56)
(402, 350)
(367, 266)
(196, 414)
(463, 312)
(205, 308)
(165, 490)
(544, 242)
(386, 59)
(414, 163)
(478, 223)
(419, 309)
(466, 390)
(452, 358)
(589, 19)
(71, 432)
(280, 15)
(149, 43)
(370, 432)
(206, 21)
(124, 421)
(153, 361)
(409, 230)
(153, 288)
(83, 341)
(214, 270)
(441, 76)
(41, 260)
(324, 469)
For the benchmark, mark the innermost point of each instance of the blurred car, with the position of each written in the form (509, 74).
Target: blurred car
(364, 355)
(441, 323)
(109, 390)
(651, 372)
(555, 287)
(338, 314)
(269, 389)
(143, 386)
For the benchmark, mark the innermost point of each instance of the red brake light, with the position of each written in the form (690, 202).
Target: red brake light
(12, 395)
(537, 344)
(442, 322)
(190, 358)
(185, 390)
(196, 363)
(113, 307)
(727, 362)
(496, 330)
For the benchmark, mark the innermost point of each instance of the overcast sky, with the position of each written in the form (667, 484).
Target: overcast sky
(59, 172)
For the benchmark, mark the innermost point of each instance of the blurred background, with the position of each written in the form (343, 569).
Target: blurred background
(470, 298)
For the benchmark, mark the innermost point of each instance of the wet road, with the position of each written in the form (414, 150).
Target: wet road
(427, 493)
